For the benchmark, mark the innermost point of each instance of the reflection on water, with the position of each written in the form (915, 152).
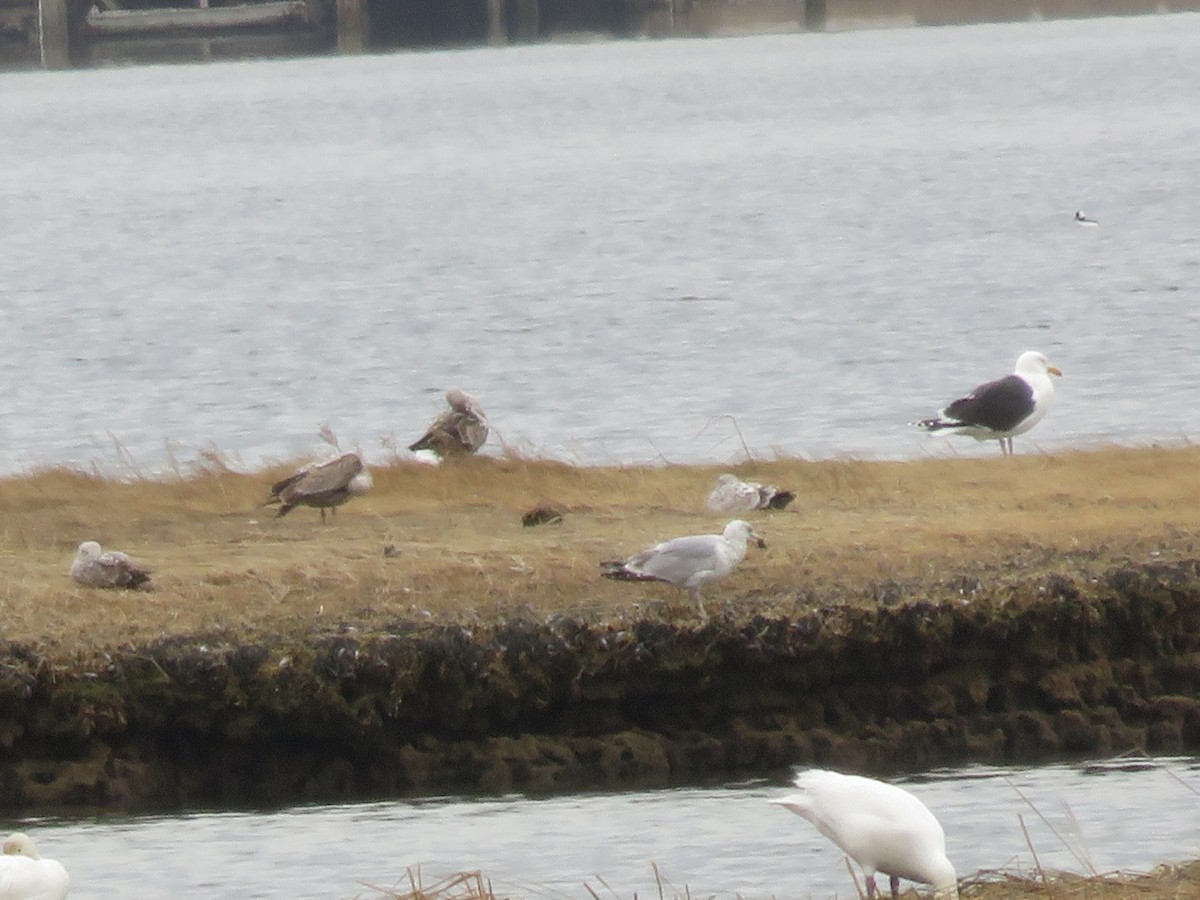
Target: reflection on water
(721, 841)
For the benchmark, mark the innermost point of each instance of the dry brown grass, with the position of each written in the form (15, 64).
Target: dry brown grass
(1167, 882)
(858, 532)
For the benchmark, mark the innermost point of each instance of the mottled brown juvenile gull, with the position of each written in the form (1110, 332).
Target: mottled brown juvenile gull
(731, 494)
(880, 826)
(324, 485)
(459, 431)
(1000, 409)
(95, 567)
(688, 562)
(24, 875)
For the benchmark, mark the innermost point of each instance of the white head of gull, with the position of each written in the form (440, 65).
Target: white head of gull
(95, 567)
(24, 875)
(1000, 409)
(690, 562)
(880, 826)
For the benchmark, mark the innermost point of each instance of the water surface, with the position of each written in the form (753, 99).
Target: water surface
(712, 841)
(613, 246)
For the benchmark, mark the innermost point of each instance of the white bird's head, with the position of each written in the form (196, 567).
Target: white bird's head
(945, 883)
(1032, 362)
(20, 844)
(89, 550)
(741, 530)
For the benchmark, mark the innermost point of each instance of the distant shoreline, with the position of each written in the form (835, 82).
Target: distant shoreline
(563, 23)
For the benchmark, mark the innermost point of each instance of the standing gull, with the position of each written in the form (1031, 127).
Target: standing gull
(24, 875)
(880, 826)
(1000, 409)
(731, 494)
(459, 431)
(688, 562)
(95, 567)
(325, 485)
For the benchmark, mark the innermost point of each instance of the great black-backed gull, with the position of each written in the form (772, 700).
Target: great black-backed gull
(731, 494)
(324, 485)
(95, 567)
(459, 431)
(882, 827)
(1000, 409)
(690, 562)
(24, 874)
(1081, 219)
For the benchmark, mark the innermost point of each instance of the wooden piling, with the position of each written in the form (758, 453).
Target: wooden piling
(528, 20)
(54, 33)
(353, 26)
(814, 15)
(496, 33)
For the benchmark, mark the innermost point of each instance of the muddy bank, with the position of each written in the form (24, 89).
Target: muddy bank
(1053, 667)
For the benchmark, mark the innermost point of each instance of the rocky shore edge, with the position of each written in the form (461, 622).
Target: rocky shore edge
(1055, 667)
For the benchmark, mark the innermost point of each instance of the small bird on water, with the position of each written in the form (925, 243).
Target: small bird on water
(95, 567)
(1081, 219)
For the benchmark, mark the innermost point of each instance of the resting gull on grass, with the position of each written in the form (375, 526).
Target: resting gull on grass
(324, 485)
(1000, 409)
(24, 875)
(688, 562)
(459, 431)
(95, 567)
(731, 494)
(880, 826)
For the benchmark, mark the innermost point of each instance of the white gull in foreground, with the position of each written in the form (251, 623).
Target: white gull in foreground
(24, 875)
(324, 485)
(688, 562)
(459, 431)
(880, 826)
(95, 567)
(1000, 409)
(731, 494)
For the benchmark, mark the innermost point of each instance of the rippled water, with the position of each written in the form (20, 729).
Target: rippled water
(612, 246)
(720, 841)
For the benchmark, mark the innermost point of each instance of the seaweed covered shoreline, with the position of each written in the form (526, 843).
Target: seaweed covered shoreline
(1039, 669)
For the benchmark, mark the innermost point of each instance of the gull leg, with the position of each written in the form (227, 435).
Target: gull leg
(872, 891)
(322, 515)
(700, 604)
(895, 883)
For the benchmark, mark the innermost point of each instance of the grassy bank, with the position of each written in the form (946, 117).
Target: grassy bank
(858, 532)
(1167, 882)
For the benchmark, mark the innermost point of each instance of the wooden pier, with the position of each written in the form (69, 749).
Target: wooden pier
(64, 33)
